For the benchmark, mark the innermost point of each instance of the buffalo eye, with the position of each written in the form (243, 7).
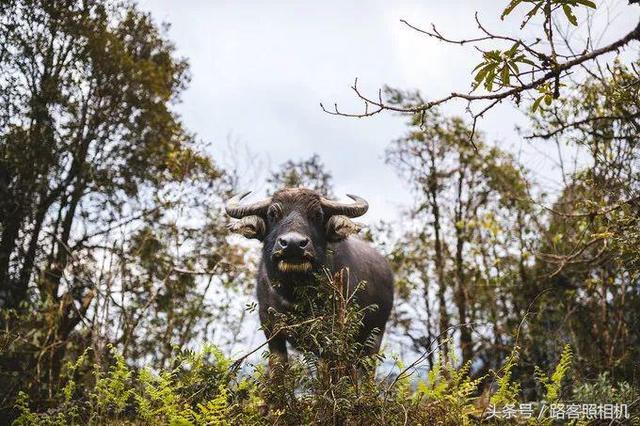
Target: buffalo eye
(275, 212)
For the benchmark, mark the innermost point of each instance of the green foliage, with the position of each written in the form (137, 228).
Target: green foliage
(97, 171)
(198, 391)
(604, 389)
(72, 368)
(452, 387)
(508, 391)
(546, 7)
(545, 94)
(588, 247)
(462, 254)
(26, 416)
(112, 390)
(205, 387)
(498, 67)
(158, 400)
(553, 384)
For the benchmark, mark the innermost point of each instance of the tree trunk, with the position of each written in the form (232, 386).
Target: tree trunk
(13, 294)
(466, 344)
(439, 258)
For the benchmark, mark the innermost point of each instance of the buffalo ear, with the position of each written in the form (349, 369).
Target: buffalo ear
(340, 227)
(249, 227)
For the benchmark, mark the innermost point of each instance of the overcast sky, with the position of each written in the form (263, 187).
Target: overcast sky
(260, 69)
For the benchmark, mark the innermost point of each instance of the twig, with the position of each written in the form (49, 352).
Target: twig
(555, 70)
(236, 364)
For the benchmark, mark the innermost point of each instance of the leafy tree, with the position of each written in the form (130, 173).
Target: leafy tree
(472, 237)
(587, 249)
(538, 275)
(574, 263)
(308, 173)
(94, 168)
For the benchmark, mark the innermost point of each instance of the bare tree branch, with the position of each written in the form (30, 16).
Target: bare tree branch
(553, 74)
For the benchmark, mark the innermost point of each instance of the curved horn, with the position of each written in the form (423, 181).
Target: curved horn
(234, 209)
(355, 209)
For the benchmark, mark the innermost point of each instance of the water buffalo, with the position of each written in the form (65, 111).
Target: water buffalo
(299, 228)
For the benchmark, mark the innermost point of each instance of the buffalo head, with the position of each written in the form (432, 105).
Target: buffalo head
(295, 225)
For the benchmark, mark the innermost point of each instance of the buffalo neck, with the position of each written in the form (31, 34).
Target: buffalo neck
(288, 287)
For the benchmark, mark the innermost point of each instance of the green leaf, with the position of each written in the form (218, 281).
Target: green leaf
(536, 104)
(504, 75)
(569, 13)
(587, 3)
(481, 74)
(513, 49)
(480, 65)
(533, 11)
(509, 8)
(493, 54)
(488, 82)
(524, 60)
(487, 72)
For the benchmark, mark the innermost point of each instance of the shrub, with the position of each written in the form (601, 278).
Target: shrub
(207, 388)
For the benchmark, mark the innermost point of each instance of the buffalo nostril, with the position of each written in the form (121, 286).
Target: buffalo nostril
(283, 242)
(303, 242)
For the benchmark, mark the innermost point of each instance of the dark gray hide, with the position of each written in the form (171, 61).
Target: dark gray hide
(302, 232)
